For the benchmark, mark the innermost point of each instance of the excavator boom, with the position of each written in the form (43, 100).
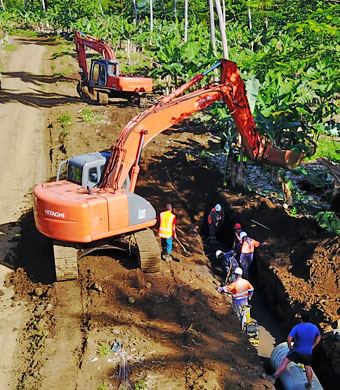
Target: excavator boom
(176, 107)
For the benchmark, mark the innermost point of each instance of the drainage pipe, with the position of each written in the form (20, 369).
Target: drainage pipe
(294, 376)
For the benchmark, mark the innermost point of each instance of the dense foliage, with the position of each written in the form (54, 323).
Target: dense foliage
(291, 47)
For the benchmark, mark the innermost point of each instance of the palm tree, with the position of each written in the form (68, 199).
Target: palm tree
(222, 29)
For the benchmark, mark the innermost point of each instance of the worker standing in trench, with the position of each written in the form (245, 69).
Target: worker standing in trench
(215, 220)
(167, 230)
(306, 337)
(247, 252)
(241, 290)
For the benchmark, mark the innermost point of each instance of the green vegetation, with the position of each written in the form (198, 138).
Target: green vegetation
(329, 148)
(90, 116)
(140, 385)
(288, 59)
(9, 48)
(329, 221)
(65, 118)
(103, 350)
(103, 386)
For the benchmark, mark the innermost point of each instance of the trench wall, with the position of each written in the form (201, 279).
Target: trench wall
(326, 358)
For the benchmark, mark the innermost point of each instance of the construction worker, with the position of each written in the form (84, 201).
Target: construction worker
(241, 290)
(215, 220)
(247, 252)
(306, 337)
(229, 262)
(167, 230)
(237, 239)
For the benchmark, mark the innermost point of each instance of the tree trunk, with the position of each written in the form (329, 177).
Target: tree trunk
(101, 8)
(135, 10)
(222, 29)
(43, 5)
(212, 26)
(3, 5)
(249, 20)
(151, 16)
(186, 21)
(175, 9)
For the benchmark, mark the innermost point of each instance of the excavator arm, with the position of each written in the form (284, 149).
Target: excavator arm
(84, 40)
(177, 106)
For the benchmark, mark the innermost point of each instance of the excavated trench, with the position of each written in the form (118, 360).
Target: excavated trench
(275, 310)
(275, 300)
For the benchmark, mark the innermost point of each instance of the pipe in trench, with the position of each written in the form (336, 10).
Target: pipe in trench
(293, 377)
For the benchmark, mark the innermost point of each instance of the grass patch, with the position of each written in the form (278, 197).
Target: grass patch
(103, 350)
(25, 33)
(9, 48)
(65, 118)
(63, 72)
(90, 116)
(327, 147)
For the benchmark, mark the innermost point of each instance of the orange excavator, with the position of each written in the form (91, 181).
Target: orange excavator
(97, 201)
(104, 79)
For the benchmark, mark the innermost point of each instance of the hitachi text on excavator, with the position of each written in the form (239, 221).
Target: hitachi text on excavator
(104, 80)
(97, 202)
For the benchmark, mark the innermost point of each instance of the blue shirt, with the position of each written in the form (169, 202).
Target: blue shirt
(304, 335)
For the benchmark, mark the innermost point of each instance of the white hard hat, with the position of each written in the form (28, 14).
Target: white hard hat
(218, 253)
(238, 271)
(218, 207)
(243, 234)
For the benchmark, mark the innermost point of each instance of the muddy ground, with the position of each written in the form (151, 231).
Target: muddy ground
(177, 332)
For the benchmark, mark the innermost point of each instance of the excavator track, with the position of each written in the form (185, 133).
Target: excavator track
(149, 254)
(66, 260)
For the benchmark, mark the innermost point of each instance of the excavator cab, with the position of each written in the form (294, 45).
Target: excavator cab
(86, 170)
(100, 70)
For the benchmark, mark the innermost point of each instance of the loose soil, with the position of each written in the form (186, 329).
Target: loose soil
(176, 331)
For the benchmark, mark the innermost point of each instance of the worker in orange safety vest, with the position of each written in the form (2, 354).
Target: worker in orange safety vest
(241, 290)
(167, 230)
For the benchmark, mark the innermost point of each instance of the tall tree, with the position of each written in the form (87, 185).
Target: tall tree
(135, 10)
(186, 20)
(212, 25)
(222, 29)
(151, 16)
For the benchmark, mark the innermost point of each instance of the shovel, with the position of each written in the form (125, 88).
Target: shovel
(183, 247)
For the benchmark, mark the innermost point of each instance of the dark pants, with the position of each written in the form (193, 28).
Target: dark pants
(245, 261)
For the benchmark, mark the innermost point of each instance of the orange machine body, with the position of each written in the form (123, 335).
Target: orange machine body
(68, 212)
(112, 79)
(130, 84)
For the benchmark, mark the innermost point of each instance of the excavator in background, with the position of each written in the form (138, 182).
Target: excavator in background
(97, 201)
(104, 80)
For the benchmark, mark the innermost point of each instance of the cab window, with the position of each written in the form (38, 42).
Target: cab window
(74, 174)
(93, 176)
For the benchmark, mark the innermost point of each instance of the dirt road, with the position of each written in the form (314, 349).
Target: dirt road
(22, 161)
